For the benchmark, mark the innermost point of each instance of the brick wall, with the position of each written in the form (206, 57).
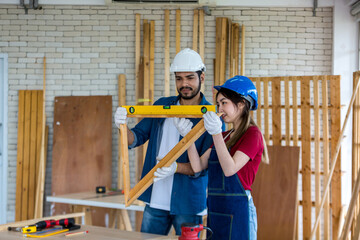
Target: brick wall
(86, 47)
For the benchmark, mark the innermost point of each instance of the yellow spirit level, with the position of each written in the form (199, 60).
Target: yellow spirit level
(162, 111)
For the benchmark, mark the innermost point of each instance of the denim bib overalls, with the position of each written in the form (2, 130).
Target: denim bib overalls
(229, 215)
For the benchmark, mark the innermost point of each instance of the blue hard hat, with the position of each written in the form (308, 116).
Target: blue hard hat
(243, 86)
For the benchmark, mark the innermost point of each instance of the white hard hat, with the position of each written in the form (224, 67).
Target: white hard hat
(187, 60)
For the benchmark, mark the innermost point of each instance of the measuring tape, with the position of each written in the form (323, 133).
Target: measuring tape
(161, 111)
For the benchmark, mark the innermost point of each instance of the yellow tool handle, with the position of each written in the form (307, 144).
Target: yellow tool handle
(28, 229)
(47, 235)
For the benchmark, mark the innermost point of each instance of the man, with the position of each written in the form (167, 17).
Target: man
(177, 196)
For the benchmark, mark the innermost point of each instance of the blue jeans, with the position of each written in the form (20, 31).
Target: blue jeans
(252, 217)
(159, 221)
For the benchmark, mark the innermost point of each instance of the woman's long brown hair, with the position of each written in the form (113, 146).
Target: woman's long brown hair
(246, 120)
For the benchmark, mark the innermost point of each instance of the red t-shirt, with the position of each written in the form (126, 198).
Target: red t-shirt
(251, 143)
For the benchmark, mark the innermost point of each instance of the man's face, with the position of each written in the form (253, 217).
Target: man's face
(188, 84)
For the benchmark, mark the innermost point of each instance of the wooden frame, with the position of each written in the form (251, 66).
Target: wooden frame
(290, 103)
(132, 194)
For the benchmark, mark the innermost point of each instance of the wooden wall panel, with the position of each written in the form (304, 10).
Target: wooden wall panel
(82, 156)
(274, 193)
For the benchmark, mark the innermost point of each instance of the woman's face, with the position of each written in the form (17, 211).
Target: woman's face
(231, 112)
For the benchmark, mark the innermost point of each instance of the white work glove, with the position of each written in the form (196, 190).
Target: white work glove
(165, 172)
(212, 123)
(183, 125)
(120, 116)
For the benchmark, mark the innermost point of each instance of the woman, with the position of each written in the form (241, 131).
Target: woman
(232, 161)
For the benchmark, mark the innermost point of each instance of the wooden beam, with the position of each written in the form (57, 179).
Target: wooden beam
(325, 123)
(125, 160)
(242, 71)
(201, 35)
(20, 153)
(137, 51)
(171, 157)
(195, 30)
(167, 53)
(151, 61)
(121, 102)
(317, 150)
(178, 30)
(306, 155)
(276, 112)
(39, 201)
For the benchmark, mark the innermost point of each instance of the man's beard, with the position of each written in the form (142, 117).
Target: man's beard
(190, 96)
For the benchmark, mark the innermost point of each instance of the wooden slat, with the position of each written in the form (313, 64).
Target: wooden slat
(39, 199)
(229, 45)
(178, 30)
(223, 45)
(242, 71)
(306, 155)
(236, 42)
(258, 111)
(276, 111)
(32, 157)
(295, 110)
(26, 161)
(287, 111)
(266, 110)
(171, 157)
(195, 30)
(217, 53)
(167, 53)
(335, 133)
(201, 34)
(121, 102)
(39, 132)
(137, 50)
(356, 146)
(20, 152)
(125, 160)
(146, 36)
(151, 61)
(317, 150)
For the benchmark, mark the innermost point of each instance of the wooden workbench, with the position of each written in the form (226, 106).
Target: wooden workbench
(85, 200)
(95, 233)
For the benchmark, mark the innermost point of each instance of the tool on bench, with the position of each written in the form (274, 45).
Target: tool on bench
(66, 223)
(189, 111)
(190, 231)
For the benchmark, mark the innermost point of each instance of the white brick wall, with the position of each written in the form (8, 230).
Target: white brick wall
(88, 46)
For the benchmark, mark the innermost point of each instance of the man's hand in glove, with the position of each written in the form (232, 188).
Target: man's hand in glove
(165, 172)
(183, 125)
(120, 116)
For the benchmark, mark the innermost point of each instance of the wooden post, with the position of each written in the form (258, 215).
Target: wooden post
(317, 150)
(125, 160)
(195, 30)
(201, 35)
(41, 177)
(242, 71)
(266, 110)
(121, 102)
(287, 111)
(325, 122)
(178, 30)
(306, 156)
(151, 61)
(167, 53)
(276, 111)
